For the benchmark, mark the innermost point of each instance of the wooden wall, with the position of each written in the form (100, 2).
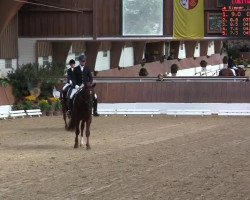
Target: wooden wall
(97, 18)
(8, 41)
(175, 92)
(6, 95)
(172, 92)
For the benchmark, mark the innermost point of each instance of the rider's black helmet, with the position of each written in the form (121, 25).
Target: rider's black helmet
(72, 62)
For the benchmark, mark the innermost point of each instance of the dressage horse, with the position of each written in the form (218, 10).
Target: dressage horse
(82, 112)
(229, 72)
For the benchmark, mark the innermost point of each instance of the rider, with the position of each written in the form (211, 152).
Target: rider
(69, 86)
(83, 76)
(231, 64)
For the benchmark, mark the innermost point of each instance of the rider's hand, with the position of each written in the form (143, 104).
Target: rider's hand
(77, 87)
(70, 82)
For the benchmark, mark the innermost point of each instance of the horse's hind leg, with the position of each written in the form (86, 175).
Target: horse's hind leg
(77, 133)
(82, 128)
(88, 122)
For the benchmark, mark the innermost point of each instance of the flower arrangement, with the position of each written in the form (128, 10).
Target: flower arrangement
(44, 105)
(54, 100)
(30, 98)
(57, 106)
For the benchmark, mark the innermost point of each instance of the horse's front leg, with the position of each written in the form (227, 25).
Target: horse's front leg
(77, 133)
(88, 122)
(82, 128)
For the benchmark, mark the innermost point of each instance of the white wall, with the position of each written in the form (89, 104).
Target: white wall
(127, 57)
(3, 70)
(102, 63)
(26, 51)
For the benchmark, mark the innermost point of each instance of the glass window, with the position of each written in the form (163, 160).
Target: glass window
(45, 61)
(142, 17)
(105, 54)
(8, 63)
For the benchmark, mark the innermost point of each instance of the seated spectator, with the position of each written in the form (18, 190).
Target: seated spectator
(171, 56)
(160, 77)
(174, 69)
(203, 65)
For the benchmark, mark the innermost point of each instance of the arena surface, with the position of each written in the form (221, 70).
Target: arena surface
(134, 157)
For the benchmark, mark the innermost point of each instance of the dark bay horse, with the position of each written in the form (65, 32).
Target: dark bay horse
(229, 72)
(82, 112)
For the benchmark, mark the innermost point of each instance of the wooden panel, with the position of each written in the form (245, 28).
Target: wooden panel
(177, 92)
(139, 48)
(6, 96)
(108, 17)
(105, 46)
(217, 46)
(203, 48)
(60, 51)
(78, 47)
(168, 17)
(44, 49)
(9, 41)
(8, 9)
(58, 5)
(91, 53)
(211, 5)
(190, 47)
(115, 53)
(51, 24)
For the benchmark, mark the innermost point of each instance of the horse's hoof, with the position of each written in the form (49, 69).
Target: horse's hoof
(88, 147)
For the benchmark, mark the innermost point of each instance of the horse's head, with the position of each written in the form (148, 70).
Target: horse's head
(86, 94)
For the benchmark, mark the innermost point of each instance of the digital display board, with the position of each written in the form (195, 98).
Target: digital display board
(236, 18)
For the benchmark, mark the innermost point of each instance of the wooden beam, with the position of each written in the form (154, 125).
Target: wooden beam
(190, 48)
(115, 54)
(139, 48)
(60, 51)
(91, 53)
(8, 9)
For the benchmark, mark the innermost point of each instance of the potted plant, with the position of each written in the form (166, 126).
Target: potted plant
(44, 106)
(57, 108)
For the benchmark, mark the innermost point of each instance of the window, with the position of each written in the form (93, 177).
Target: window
(45, 61)
(142, 17)
(105, 54)
(214, 23)
(8, 64)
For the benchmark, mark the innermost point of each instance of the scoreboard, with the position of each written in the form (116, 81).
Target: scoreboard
(236, 18)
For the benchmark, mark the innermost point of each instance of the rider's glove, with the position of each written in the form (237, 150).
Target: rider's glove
(77, 87)
(70, 82)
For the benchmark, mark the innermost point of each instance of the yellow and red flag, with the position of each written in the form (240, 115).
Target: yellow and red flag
(188, 19)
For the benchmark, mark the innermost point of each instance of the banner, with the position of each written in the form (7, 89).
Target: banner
(188, 19)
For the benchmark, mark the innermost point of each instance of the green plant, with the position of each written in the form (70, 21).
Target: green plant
(27, 105)
(57, 106)
(43, 105)
(4, 82)
(17, 107)
(28, 76)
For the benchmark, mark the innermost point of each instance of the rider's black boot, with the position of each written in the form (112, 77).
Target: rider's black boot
(95, 113)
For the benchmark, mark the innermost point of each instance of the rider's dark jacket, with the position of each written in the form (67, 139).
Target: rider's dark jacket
(82, 76)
